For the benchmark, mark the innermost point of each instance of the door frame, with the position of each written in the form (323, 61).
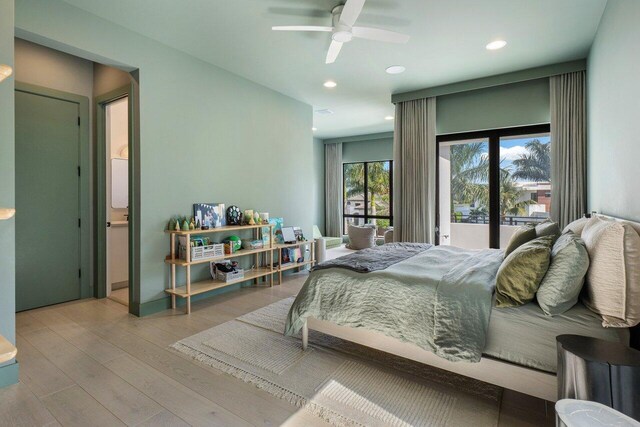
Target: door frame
(493, 137)
(100, 103)
(84, 163)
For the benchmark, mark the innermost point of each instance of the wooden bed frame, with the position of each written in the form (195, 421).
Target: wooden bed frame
(494, 371)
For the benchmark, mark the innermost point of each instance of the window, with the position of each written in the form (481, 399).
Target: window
(490, 182)
(368, 194)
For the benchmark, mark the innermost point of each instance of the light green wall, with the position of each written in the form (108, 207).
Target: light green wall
(363, 151)
(515, 104)
(8, 371)
(613, 111)
(318, 187)
(206, 135)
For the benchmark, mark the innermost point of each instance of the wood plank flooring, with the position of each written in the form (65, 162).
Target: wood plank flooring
(91, 363)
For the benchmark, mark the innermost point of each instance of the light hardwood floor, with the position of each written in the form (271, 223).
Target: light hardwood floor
(90, 363)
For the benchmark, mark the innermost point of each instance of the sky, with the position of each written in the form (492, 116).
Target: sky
(512, 149)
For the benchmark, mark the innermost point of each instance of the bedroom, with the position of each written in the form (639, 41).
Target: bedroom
(215, 81)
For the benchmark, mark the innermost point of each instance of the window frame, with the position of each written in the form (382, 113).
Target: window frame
(493, 136)
(366, 215)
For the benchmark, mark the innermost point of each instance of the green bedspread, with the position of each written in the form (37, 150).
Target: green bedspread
(439, 300)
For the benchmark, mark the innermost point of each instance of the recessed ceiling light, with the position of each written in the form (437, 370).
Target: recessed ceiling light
(388, 118)
(496, 44)
(395, 69)
(330, 83)
(314, 129)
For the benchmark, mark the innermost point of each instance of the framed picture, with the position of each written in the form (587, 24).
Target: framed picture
(277, 229)
(209, 214)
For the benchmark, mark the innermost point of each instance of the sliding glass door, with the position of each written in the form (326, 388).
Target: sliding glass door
(489, 183)
(463, 181)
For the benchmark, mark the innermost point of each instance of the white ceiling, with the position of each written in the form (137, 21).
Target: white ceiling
(446, 46)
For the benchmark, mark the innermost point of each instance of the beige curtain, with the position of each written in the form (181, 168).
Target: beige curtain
(414, 171)
(568, 147)
(333, 189)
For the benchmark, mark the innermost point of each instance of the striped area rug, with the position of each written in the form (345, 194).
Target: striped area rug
(344, 388)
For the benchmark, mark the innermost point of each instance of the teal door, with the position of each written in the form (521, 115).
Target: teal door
(47, 201)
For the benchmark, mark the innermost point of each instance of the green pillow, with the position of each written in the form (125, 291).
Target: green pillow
(521, 272)
(521, 236)
(563, 282)
(548, 228)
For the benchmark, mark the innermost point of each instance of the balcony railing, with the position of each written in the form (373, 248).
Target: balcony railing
(505, 220)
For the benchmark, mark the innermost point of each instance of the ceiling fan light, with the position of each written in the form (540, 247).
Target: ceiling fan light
(5, 71)
(395, 69)
(342, 36)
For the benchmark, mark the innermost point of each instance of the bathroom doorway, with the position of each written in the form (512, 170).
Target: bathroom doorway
(115, 127)
(117, 198)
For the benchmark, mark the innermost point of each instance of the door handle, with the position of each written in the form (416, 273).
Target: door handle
(108, 223)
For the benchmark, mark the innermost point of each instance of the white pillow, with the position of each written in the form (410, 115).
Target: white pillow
(362, 237)
(613, 279)
(576, 226)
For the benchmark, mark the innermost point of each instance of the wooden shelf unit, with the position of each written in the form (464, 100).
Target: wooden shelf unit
(268, 270)
(284, 267)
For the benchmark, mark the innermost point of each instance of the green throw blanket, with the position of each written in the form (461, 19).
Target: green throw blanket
(439, 300)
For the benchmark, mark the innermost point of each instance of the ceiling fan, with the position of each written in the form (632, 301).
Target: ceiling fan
(343, 30)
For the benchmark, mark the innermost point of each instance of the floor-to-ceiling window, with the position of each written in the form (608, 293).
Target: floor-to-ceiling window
(490, 182)
(368, 194)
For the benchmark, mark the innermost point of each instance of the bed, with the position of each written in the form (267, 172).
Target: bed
(510, 347)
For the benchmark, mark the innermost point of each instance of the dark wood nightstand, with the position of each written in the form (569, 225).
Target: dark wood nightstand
(600, 371)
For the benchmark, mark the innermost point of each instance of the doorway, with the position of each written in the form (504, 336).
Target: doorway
(117, 198)
(115, 128)
(52, 190)
(489, 183)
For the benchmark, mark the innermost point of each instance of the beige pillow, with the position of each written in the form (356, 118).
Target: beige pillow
(361, 237)
(613, 279)
(576, 226)
(522, 235)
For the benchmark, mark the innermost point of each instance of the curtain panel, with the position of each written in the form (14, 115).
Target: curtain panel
(568, 147)
(414, 171)
(333, 189)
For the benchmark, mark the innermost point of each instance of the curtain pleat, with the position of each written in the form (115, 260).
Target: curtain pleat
(333, 189)
(568, 147)
(414, 171)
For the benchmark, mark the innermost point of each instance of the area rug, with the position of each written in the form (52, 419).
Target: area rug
(341, 382)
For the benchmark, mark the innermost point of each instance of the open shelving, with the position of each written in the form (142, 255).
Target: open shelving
(265, 271)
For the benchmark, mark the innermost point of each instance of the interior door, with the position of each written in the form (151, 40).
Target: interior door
(47, 201)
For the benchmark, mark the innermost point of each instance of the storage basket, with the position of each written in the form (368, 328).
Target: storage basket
(232, 275)
(203, 252)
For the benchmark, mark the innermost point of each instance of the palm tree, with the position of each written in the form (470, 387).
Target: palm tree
(378, 183)
(469, 173)
(536, 164)
(470, 177)
(510, 194)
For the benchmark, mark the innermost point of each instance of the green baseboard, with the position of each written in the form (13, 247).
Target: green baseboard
(9, 374)
(151, 307)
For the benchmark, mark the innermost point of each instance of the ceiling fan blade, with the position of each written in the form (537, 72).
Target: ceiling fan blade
(379, 35)
(332, 53)
(301, 28)
(351, 11)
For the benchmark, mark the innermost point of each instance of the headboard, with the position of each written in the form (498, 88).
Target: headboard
(634, 341)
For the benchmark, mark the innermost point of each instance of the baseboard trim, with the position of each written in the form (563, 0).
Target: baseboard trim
(9, 374)
(156, 306)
